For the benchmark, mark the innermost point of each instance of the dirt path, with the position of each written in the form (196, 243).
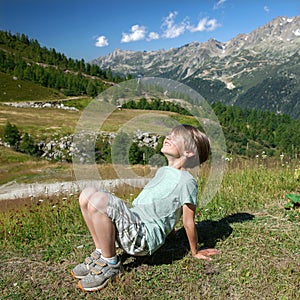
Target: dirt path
(13, 190)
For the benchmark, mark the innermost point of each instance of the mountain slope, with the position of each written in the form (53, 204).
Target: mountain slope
(256, 70)
(43, 71)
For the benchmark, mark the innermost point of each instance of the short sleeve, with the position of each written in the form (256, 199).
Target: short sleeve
(189, 192)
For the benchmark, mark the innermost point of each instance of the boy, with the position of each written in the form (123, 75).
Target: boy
(142, 229)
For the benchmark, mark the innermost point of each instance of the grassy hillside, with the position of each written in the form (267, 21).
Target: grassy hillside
(52, 122)
(13, 89)
(39, 122)
(17, 167)
(25, 59)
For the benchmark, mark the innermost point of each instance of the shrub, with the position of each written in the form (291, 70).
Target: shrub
(11, 135)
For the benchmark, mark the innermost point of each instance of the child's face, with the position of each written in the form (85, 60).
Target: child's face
(173, 145)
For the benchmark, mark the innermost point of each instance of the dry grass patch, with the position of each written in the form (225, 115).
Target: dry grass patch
(51, 121)
(40, 121)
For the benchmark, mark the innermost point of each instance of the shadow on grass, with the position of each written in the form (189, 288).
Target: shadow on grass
(177, 246)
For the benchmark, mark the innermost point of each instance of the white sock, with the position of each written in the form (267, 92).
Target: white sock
(111, 260)
(98, 250)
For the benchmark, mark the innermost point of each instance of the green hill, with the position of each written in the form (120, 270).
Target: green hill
(25, 59)
(14, 89)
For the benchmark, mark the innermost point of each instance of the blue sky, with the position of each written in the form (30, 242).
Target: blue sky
(89, 29)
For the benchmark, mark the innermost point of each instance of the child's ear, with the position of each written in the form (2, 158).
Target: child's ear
(189, 154)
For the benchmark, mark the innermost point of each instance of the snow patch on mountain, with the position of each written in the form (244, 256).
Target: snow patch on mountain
(296, 32)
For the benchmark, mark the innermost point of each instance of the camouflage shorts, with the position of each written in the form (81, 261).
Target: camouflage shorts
(131, 232)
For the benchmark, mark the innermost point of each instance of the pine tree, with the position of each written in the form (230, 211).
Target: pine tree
(27, 144)
(91, 89)
(11, 135)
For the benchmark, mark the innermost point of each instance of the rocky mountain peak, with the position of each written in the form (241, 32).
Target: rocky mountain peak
(279, 33)
(270, 52)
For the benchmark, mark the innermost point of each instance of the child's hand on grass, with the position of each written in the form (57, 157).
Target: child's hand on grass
(206, 253)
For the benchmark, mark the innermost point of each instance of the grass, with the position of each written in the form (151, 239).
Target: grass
(22, 90)
(259, 242)
(49, 122)
(21, 168)
(39, 122)
(79, 103)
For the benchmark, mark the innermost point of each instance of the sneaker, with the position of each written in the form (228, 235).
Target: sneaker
(84, 268)
(100, 275)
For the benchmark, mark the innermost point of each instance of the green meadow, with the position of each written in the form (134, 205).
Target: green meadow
(13, 89)
(246, 220)
(43, 238)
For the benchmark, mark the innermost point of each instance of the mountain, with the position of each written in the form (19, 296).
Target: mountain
(31, 72)
(256, 70)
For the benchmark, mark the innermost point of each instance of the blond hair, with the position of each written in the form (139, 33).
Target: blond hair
(194, 141)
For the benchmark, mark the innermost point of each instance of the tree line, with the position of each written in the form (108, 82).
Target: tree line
(247, 131)
(252, 131)
(27, 60)
(155, 104)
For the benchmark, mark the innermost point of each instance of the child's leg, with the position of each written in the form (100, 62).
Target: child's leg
(84, 200)
(107, 217)
(93, 205)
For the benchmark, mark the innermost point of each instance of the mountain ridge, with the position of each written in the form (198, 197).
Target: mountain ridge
(234, 68)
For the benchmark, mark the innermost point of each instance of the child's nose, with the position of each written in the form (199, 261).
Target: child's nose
(170, 138)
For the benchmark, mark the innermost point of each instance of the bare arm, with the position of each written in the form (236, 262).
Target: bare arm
(191, 232)
(189, 226)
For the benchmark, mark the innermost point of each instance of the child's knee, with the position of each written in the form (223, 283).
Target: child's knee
(86, 195)
(98, 202)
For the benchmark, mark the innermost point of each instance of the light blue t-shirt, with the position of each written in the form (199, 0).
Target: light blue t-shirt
(159, 205)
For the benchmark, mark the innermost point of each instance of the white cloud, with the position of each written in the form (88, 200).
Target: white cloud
(170, 29)
(219, 4)
(137, 33)
(204, 24)
(153, 36)
(101, 41)
(266, 9)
